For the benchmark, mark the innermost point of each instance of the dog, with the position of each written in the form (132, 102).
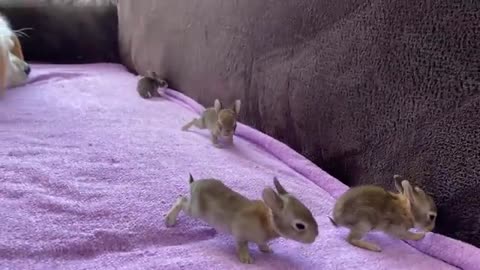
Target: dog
(14, 70)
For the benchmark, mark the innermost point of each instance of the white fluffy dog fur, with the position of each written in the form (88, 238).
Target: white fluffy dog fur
(13, 68)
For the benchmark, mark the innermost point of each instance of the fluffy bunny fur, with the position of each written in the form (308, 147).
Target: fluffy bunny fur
(218, 120)
(366, 208)
(280, 214)
(149, 85)
(13, 69)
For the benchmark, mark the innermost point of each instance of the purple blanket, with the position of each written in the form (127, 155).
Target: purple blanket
(88, 170)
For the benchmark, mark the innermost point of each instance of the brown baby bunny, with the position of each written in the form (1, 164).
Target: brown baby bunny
(149, 85)
(280, 214)
(365, 208)
(218, 120)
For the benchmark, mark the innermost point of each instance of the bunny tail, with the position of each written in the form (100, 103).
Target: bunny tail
(190, 180)
(333, 222)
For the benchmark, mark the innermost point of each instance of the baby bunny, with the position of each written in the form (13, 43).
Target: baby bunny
(148, 86)
(365, 208)
(220, 121)
(280, 214)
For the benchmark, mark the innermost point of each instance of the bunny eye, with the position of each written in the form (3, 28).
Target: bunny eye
(300, 226)
(431, 217)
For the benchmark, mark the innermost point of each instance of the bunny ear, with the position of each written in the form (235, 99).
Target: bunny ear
(417, 189)
(272, 200)
(236, 106)
(397, 180)
(280, 189)
(420, 192)
(217, 105)
(408, 191)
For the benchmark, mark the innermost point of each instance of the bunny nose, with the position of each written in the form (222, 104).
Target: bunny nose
(27, 69)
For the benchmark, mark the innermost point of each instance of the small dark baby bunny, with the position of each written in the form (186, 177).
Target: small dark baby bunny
(150, 85)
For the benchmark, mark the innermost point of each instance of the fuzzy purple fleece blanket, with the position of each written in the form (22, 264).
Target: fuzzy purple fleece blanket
(88, 169)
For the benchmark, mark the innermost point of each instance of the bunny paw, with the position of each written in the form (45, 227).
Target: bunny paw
(375, 248)
(245, 258)
(170, 221)
(265, 248)
(418, 236)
